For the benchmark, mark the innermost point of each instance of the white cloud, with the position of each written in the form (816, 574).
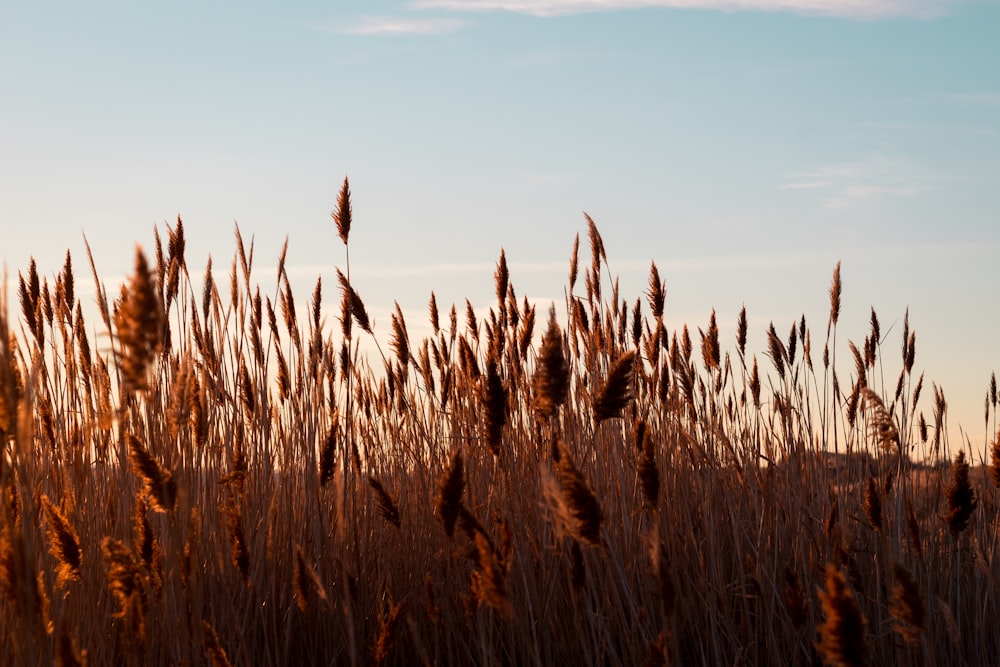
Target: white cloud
(847, 8)
(988, 99)
(877, 177)
(381, 25)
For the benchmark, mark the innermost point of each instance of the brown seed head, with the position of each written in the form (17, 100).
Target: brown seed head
(843, 634)
(710, 344)
(342, 216)
(386, 505)
(139, 320)
(960, 496)
(450, 492)
(617, 391)
(64, 543)
(906, 606)
(551, 379)
(873, 505)
(158, 483)
(578, 505)
(835, 296)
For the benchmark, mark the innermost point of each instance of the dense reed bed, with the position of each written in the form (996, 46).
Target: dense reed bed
(211, 474)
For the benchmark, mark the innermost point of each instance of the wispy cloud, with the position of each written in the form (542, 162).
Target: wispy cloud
(865, 180)
(847, 8)
(384, 25)
(987, 98)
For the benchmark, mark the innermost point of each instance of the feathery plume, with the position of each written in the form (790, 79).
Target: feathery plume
(64, 543)
(489, 579)
(710, 344)
(386, 505)
(158, 483)
(777, 351)
(741, 332)
(576, 504)
(306, 584)
(835, 296)
(493, 396)
(327, 453)
(649, 473)
(873, 505)
(342, 216)
(450, 492)
(139, 320)
(551, 379)
(960, 496)
(355, 305)
(125, 582)
(387, 624)
(843, 639)
(617, 391)
(239, 553)
(657, 291)
(906, 606)
(883, 428)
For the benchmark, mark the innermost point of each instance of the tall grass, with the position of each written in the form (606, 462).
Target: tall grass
(231, 480)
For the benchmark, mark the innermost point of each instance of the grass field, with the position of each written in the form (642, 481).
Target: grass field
(228, 479)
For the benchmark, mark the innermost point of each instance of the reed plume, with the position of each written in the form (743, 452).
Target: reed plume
(710, 344)
(489, 579)
(873, 505)
(386, 505)
(906, 606)
(617, 390)
(576, 506)
(125, 581)
(158, 483)
(238, 550)
(649, 476)
(777, 351)
(342, 216)
(881, 423)
(387, 623)
(355, 306)
(64, 543)
(657, 291)
(450, 491)
(306, 584)
(493, 397)
(551, 380)
(327, 454)
(843, 634)
(835, 288)
(139, 320)
(960, 496)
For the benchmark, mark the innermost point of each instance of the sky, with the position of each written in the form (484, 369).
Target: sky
(746, 146)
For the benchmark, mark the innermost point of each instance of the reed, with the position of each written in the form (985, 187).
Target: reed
(214, 474)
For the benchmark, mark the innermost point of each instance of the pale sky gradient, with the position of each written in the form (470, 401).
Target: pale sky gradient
(745, 145)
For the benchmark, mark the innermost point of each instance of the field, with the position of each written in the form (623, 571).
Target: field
(228, 479)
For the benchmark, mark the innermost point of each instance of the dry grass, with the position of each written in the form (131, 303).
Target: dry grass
(230, 481)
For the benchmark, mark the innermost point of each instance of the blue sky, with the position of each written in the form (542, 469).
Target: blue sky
(746, 146)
